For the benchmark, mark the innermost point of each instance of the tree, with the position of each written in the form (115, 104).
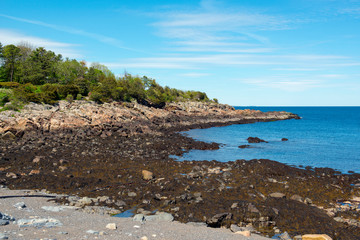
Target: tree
(11, 55)
(69, 70)
(40, 67)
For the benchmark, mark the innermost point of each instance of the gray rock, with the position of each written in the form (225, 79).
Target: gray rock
(277, 195)
(235, 228)
(160, 217)
(297, 198)
(4, 222)
(3, 236)
(215, 221)
(20, 205)
(252, 208)
(52, 209)
(92, 232)
(139, 218)
(308, 201)
(132, 194)
(285, 236)
(4, 216)
(8, 136)
(39, 222)
(196, 224)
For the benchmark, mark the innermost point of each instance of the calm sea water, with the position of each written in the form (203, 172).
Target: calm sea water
(324, 137)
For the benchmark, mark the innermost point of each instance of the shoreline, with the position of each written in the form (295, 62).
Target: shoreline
(270, 196)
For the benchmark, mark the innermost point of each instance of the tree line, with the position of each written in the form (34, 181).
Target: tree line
(38, 75)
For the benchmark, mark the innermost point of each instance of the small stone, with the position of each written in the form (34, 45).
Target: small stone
(52, 209)
(244, 233)
(8, 136)
(136, 226)
(92, 232)
(11, 175)
(197, 194)
(147, 175)
(285, 236)
(297, 198)
(234, 205)
(20, 205)
(235, 228)
(132, 194)
(37, 159)
(34, 172)
(111, 226)
(308, 201)
(62, 168)
(102, 233)
(62, 233)
(315, 237)
(277, 195)
(4, 222)
(144, 238)
(284, 139)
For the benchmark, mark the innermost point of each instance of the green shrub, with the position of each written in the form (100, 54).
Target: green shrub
(78, 97)
(27, 93)
(5, 96)
(96, 96)
(70, 89)
(69, 98)
(9, 84)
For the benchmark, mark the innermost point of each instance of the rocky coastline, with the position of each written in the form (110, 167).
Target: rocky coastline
(117, 155)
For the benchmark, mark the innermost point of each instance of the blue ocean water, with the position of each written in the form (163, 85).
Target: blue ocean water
(324, 137)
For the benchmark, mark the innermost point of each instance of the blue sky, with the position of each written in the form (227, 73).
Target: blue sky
(248, 52)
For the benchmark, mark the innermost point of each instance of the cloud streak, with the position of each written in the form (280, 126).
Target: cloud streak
(66, 49)
(98, 37)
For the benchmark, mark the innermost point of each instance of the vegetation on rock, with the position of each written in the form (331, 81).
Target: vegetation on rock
(41, 76)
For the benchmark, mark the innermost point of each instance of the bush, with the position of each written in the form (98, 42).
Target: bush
(27, 93)
(96, 96)
(69, 98)
(78, 97)
(65, 90)
(9, 84)
(5, 96)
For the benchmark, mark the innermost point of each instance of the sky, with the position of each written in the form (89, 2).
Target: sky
(242, 52)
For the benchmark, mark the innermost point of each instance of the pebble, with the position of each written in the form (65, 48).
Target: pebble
(136, 226)
(244, 233)
(20, 205)
(39, 222)
(52, 209)
(144, 238)
(4, 222)
(111, 226)
(92, 232)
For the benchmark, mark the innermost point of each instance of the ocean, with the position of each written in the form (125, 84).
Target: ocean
(324, 137)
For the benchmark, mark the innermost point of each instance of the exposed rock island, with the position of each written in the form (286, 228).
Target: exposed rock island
(116, 155)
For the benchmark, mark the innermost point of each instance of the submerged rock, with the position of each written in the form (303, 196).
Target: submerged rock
(255, 140)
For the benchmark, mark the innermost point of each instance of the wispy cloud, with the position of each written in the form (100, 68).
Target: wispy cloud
(13, 37)
(98, 37)
(195, 74)
(296, 82)
(203, 61)
(211, 25)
